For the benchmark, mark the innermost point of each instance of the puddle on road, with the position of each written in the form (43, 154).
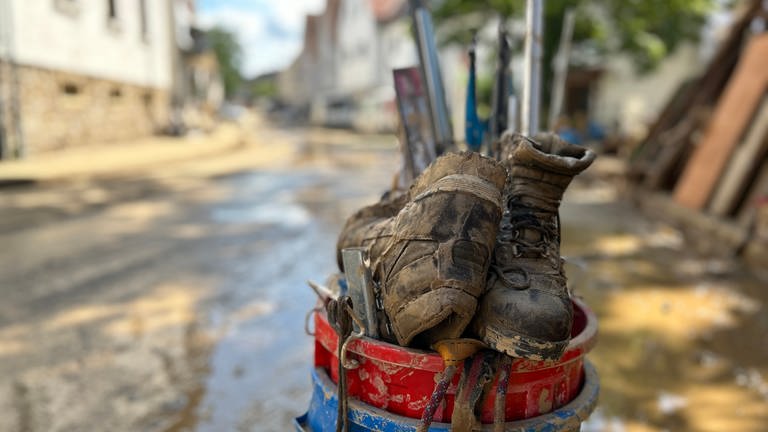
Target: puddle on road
(258, 374)
(287, 215)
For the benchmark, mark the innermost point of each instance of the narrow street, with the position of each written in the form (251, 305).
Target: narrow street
(173, 303)
(176, 302)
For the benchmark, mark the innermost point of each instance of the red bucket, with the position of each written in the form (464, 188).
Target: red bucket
(401, 380)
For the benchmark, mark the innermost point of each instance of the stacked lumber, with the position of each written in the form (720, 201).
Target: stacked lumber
(732, 117)
(708, 149)
(743, 165)
(693, 99)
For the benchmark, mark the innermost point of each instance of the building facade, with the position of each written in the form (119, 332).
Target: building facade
(343, 75)
(81, 72)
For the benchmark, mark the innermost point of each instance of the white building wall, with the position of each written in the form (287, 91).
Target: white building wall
(358, 47)
(77, 36)
(290, 84)
(326, 61)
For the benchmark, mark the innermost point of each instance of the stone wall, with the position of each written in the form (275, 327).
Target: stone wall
(61, 109)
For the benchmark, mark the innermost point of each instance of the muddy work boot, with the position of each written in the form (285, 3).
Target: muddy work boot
(371, 226)
(526, 311)
(435, 264)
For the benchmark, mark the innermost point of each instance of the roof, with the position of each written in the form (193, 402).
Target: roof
(386, 10)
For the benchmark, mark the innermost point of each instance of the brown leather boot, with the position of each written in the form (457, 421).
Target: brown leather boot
(434, 266)
(371, 226)
(526, 311)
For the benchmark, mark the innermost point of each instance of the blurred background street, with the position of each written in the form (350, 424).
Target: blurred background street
(173, 298)
(173, 172)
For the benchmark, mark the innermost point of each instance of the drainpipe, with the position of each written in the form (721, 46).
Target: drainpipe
(11, 132)
(3, 142)
(5, 147)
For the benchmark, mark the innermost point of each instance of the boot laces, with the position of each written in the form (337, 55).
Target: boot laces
(529, 234)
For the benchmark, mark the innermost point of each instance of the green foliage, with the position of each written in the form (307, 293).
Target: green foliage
(229, 54)
(646, 30)
(266, 88)
(649, 30)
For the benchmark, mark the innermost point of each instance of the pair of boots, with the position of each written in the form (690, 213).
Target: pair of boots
(474, 247)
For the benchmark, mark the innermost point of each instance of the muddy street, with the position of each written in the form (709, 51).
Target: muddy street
(177, 302)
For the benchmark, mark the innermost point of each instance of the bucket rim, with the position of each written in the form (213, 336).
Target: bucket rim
(395, 355)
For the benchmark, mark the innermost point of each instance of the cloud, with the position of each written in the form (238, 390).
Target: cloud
(270, 31)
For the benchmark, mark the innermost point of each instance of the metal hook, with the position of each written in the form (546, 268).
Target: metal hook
(345, 362)
(307, 317)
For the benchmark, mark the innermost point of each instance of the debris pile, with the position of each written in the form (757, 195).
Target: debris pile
(708, 149)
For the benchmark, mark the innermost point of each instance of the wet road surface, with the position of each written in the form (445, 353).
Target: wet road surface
(178, 304)
(683, 340)
(181, 305)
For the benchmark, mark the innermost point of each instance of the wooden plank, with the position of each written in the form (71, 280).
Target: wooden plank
(733, 112)
(741, 168)
(758, 190)
(703, 92)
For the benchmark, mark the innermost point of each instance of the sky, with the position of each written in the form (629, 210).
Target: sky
(270, 31)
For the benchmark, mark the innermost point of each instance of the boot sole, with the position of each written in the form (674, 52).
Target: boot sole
(524, 346)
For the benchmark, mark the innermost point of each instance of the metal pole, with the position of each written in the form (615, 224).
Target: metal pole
(430, 69)
(561, 69)
(532, 72)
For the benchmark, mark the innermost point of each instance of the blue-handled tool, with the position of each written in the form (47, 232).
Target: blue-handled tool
(474, 128)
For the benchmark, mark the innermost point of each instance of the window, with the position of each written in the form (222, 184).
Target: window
(147, 99)
(113, 17)
(143, 20)
(115, 93)
(111, 10)
(68, 7)
(70, 89)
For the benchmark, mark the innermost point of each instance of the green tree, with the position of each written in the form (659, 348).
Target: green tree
(229, 53)
(645, 30)
(265, 88)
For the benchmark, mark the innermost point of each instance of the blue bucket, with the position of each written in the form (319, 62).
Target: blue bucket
(321, 416)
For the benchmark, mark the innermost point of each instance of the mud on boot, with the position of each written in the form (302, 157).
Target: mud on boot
(434, 266)
(526, 311)
(371, 226)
